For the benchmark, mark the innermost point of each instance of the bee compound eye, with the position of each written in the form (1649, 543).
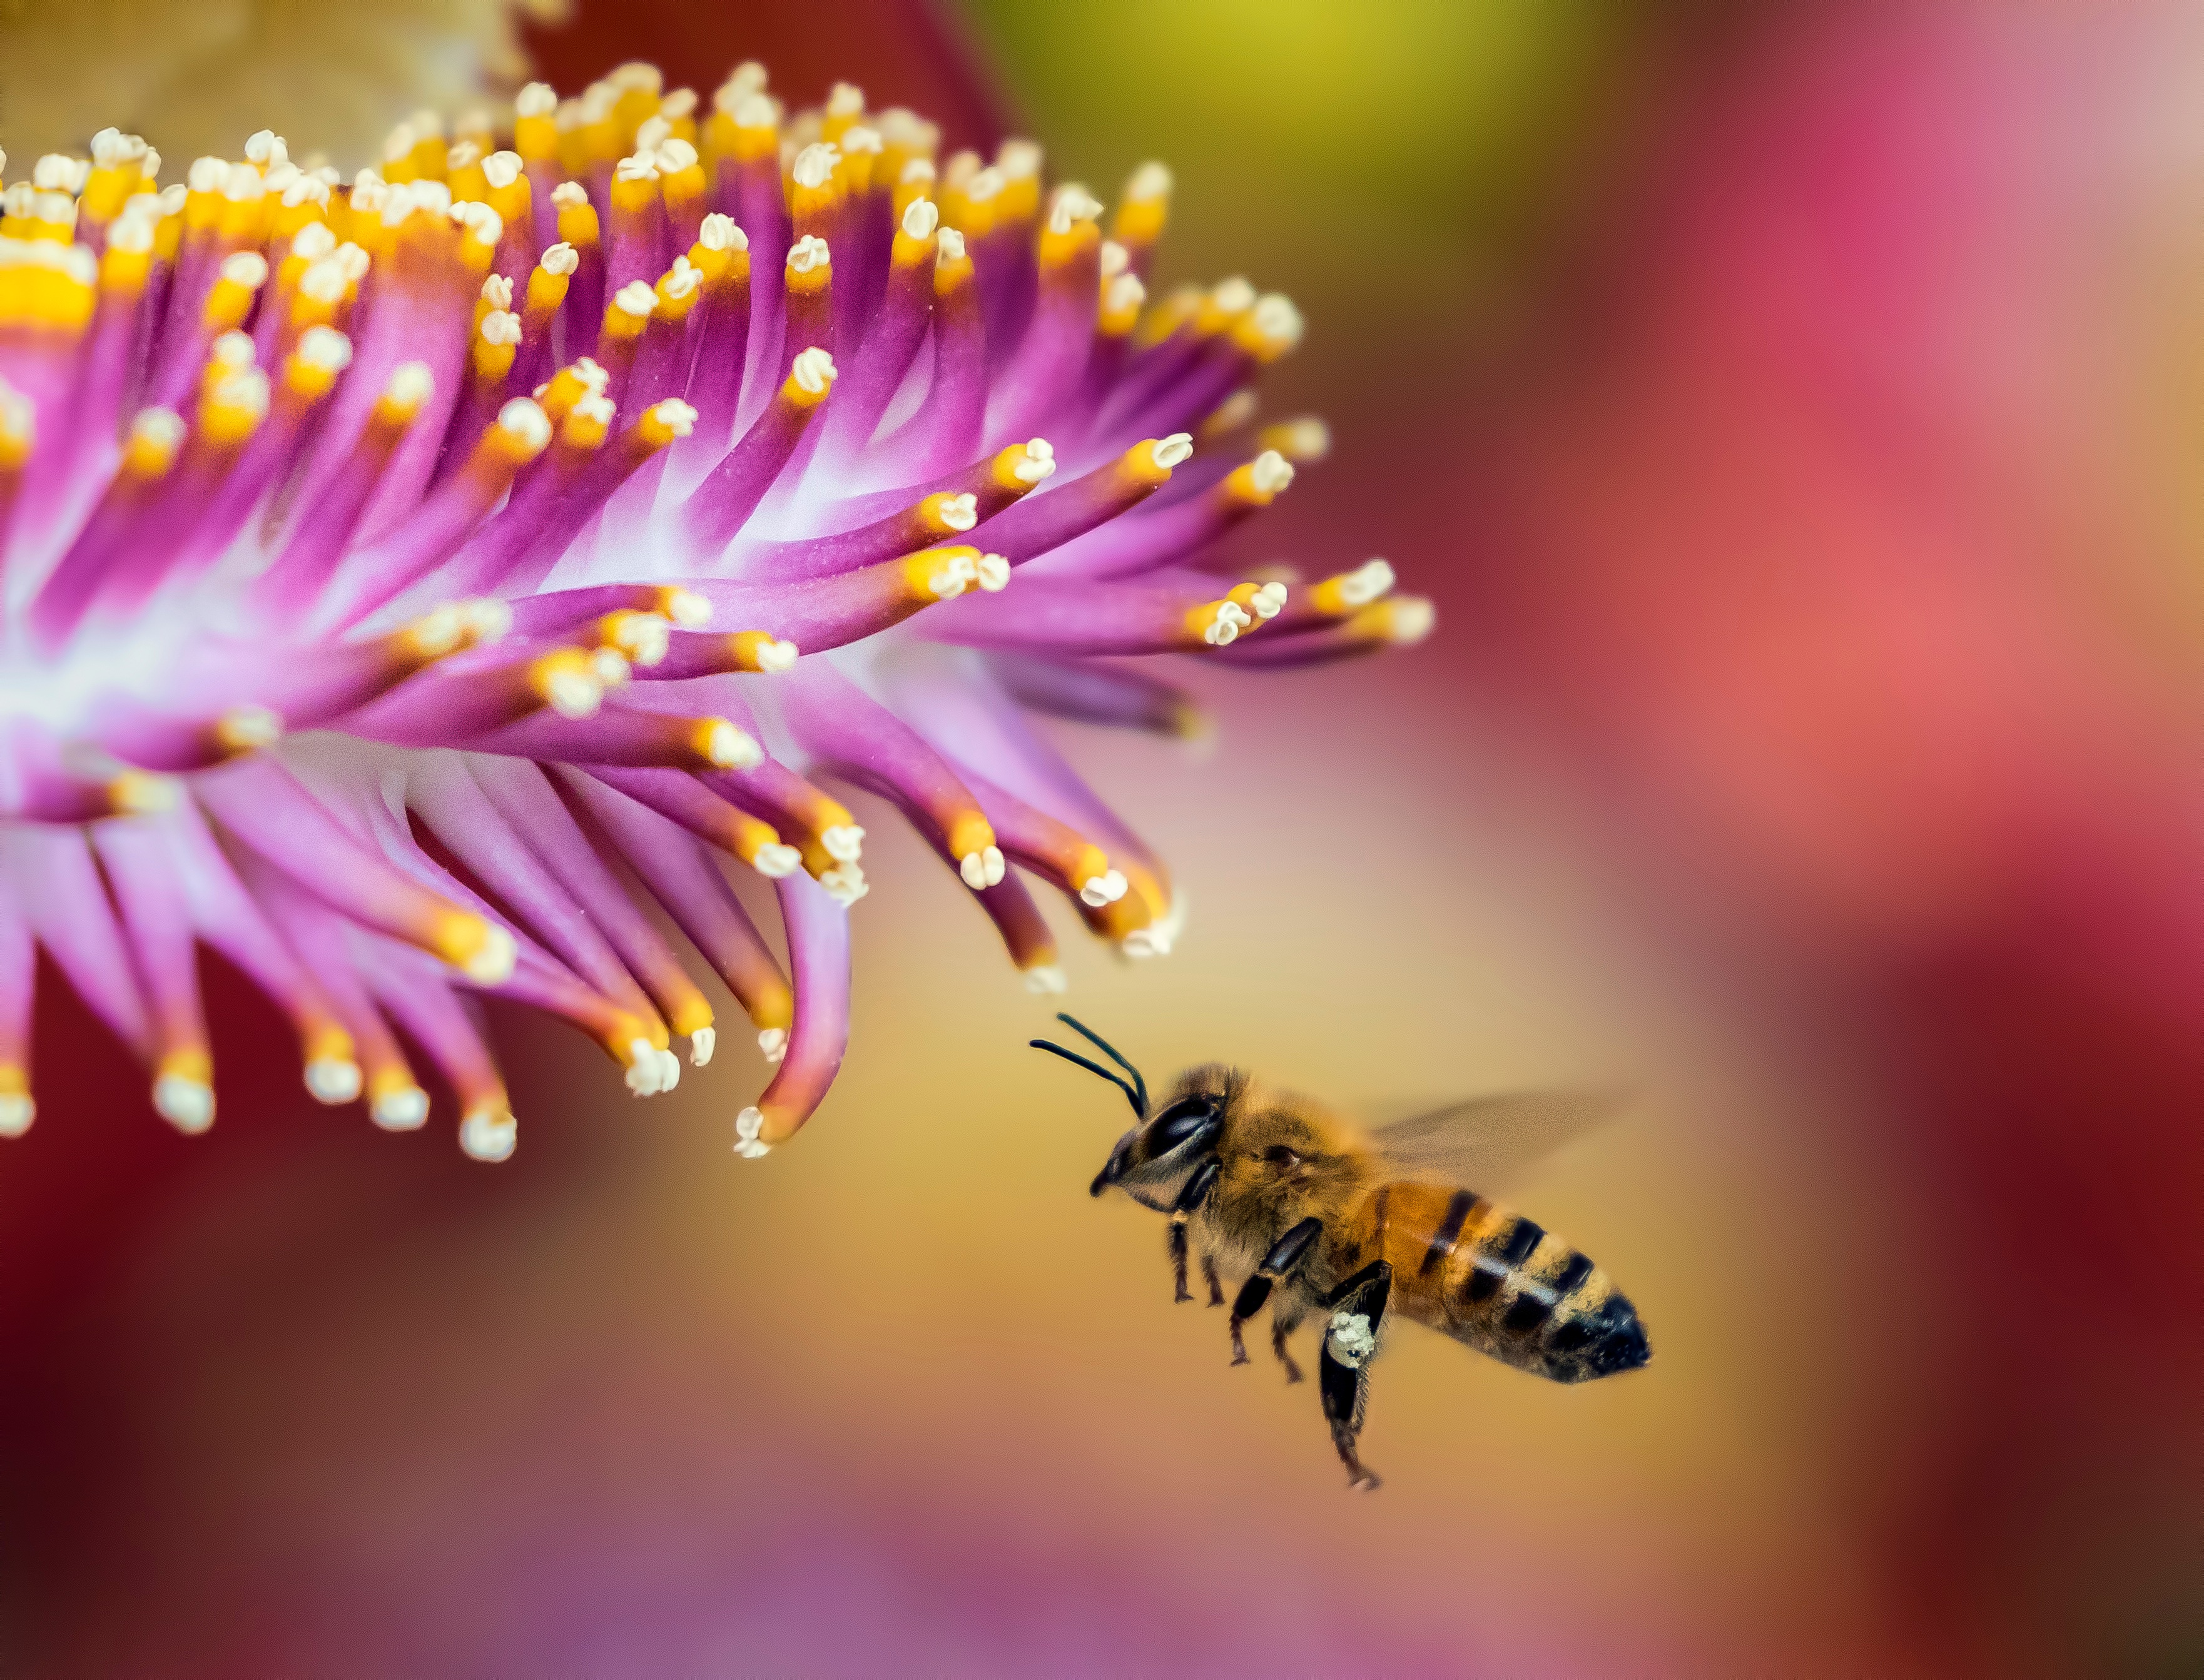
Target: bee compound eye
(1178, 1122)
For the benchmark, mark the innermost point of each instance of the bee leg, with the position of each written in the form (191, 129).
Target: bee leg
(1285, 1257)
(1215, 1284)
(1350, 1339)
(1281, 1328)
(1188, 1203)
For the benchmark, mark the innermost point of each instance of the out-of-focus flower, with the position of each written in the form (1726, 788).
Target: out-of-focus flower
(184, 71)
(386, 566)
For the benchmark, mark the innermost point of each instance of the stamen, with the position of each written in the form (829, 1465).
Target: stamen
(399, 579)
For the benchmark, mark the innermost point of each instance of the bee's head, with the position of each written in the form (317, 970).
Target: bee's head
(1166, 1142)
(1180, 1134)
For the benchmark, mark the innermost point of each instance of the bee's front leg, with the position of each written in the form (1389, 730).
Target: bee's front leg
(1198, 1187)
(1286, 1256)
(1350, 1339)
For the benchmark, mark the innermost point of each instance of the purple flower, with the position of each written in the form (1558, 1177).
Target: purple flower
(385, 565)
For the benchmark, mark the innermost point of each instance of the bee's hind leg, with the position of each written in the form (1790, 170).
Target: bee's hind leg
(1189, 1202)
(1350, 1339)
(1284, 1320)
(1286, 1256)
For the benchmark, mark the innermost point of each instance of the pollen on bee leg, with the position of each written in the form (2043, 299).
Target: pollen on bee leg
(1351, 1338)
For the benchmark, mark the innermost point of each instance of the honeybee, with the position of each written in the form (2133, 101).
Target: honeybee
(1307, 1212)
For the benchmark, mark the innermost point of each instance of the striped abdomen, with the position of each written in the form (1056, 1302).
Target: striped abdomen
(1501, 1283)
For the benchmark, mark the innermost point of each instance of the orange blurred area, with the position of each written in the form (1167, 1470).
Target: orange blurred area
(1794, 414)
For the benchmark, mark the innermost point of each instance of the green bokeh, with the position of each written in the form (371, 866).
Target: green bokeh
(1322, 147)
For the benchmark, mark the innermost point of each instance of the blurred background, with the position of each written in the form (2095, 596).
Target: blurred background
(1794, 412)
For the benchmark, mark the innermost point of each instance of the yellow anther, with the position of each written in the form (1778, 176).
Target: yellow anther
(232, 408)
(1167, 316)
(478, 947)
(635, 187)
(1020, 466)
(1149, 462)
(1119, 310)
(723, 746)
(569, 681)
(1217, 623)
(18, 428)
(952, 264)
(662, 422)
(497, 342)
(137, 793)
(678, 289)
(404, 395)
(156, 435)
(686, 607)
(587, 424)
(941, 574)
(1397, 618)
(246, 729)
(1270, 328)
(1144, 209)
(750, 839)
(521, 434)
(968, 832)
(1300, 442)
(630, 311)
(1260, 602)
(568, 387)
(124, 270)
(761, 651)
(811, 379)
(535, 135)
(810, 266)
(1258, 482)
(464, 172)
(578, 217)
(944, 511)
(1337, 596)
(1224, 306)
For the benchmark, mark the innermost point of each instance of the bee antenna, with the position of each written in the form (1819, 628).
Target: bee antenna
(1140, 1108)
(1140, 1085)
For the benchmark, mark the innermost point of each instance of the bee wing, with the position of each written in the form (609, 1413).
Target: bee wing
(1480, 1143)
